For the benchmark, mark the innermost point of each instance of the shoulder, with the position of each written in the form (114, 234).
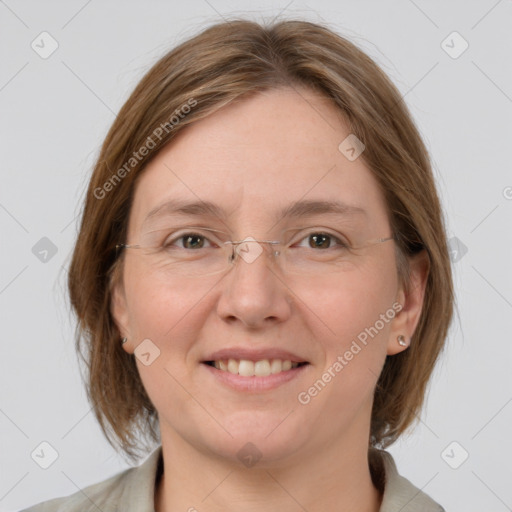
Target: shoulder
(398, 492)
(98, 496)
(132, 489)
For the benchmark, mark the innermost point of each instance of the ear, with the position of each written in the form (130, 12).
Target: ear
(119, 310)
(407, 318)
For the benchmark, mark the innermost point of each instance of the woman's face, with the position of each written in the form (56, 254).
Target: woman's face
(252, 160)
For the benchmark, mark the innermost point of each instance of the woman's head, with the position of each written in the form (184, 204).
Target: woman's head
(254, 120)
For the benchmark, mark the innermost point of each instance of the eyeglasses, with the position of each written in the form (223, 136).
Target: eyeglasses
(199, 251)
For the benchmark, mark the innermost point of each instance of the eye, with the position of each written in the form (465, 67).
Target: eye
(321, 240)
(187, 241)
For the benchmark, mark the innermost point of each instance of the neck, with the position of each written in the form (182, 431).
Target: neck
(338, 478)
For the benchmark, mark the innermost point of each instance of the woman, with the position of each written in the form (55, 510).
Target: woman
(261, 279)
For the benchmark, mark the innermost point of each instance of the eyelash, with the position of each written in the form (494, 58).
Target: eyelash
(168, 243)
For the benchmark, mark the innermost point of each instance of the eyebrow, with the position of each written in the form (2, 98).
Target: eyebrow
(297, 209)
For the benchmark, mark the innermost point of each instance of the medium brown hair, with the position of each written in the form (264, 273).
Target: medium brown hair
(229, 61)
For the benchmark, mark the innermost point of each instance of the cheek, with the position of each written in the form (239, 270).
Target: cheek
(170, 317)
(342, 387)
(353, 301)
(356, 317)
(157, 306)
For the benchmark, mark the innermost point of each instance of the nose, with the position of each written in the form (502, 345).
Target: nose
(254, 291)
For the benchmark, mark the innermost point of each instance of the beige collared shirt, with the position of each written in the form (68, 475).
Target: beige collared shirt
(133, 490)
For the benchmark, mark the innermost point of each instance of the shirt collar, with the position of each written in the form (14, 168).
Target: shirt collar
(399, 494)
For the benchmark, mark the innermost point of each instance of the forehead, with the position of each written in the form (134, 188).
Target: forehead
(258, 156)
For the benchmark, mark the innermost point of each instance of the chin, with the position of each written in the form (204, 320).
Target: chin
(260, 439)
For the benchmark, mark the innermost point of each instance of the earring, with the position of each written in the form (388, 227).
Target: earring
(124, 340)
(401, 341)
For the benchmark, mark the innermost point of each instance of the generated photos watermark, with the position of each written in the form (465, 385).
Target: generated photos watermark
(304, 397)
(144, 150)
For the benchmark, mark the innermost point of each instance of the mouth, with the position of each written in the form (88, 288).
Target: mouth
(255, 368)
(248, 376)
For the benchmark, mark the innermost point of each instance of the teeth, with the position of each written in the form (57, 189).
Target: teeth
(261, 368)
(232, 366)
(276, 366)
(245, 368)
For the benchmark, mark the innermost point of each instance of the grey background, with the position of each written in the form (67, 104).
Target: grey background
(54, 115)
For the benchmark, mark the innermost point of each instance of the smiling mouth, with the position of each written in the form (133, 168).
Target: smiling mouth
(261, 368)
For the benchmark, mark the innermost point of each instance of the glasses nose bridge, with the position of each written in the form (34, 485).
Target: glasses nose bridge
(250, 249)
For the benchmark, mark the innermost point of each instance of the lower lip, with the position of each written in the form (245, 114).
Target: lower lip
(255, 384)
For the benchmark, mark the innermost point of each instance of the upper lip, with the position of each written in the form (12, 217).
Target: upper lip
(251, 354)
